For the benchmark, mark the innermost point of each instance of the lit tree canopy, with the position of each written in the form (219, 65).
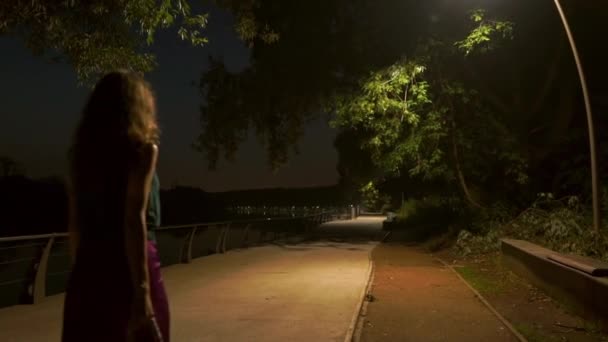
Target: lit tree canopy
(422, 121)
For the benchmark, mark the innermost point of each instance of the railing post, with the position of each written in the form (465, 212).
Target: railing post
(188, 257)
(220, 237)
(246, 237)
(39, 286)
(221, 246)
(226, 238)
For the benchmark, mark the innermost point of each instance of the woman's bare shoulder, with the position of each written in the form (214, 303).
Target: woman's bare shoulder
(146, 156)
(150, 151)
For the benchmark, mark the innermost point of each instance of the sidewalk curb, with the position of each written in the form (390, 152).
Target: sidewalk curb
(503, 320)
(353, 329)
(363, 313)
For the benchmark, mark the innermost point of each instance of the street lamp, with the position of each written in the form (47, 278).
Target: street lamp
(591, 128)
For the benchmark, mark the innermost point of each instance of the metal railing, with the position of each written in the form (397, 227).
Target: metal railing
(35, 266)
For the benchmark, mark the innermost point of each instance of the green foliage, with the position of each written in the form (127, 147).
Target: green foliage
(355, 166)
(431, 221)
(372, 199)
(393, 102)
(407, 209)
(476, 113)
(561, 225)
(100, 35)
(284, 87)
(225, 126)
(250, 26)
(430, 211)
(483, 38)
(421, 121)
(468, 243)
(370, 196)
(247, 28)
(294, 78)
(441, 241)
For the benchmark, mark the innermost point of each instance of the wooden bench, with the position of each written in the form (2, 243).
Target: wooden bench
(590, 266)
(578, 282)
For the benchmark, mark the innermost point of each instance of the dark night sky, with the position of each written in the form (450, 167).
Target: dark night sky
(41, 105)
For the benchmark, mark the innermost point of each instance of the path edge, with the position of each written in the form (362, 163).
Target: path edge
(503, 320)
(352, 328)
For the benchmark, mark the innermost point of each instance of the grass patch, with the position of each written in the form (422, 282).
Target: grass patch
(482, 282)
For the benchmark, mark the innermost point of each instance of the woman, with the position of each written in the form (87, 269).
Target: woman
(115, 291)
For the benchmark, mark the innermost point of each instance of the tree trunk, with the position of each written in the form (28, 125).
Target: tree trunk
(461, 179)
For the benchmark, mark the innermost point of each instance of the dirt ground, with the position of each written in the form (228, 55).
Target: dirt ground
(415, 298)
(535, 315)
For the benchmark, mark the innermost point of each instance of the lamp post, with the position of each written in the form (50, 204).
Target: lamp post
(590, 126)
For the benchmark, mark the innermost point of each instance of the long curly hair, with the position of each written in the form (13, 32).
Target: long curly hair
(118, 118)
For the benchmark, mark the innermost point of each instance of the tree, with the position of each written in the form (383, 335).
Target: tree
(98, 36)
(422, 121)
(355, 165)
(293, 76)
(512, 111)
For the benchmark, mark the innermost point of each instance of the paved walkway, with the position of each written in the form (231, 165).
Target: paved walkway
(303, 292)
(418, 299)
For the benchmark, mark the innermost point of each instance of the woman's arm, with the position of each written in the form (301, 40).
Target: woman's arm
(138, 189)
(73, 233)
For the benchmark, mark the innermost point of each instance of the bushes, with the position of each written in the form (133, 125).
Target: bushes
(429, 212)
(373, 200)
(562, 225)
(468, 243)
(427, 217)
(407, 209)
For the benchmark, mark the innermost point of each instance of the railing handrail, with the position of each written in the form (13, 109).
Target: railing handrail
(203, 224)
(31, 237)
(243, 221)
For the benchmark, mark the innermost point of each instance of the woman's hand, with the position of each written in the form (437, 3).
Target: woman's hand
(142, 324)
